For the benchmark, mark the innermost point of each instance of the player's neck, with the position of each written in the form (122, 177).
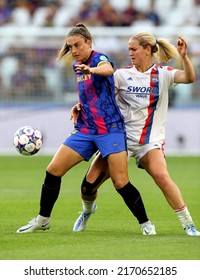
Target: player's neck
(144, 68)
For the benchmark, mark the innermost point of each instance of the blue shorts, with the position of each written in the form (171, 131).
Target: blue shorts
(86, 144)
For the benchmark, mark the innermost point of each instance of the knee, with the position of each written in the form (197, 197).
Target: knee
(51, 168)
(161, 179)
(89, 189)
(120, 182)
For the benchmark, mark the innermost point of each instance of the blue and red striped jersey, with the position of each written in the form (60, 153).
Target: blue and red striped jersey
(99, 113)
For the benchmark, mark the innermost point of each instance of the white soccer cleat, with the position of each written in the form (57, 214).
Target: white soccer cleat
(81, 222)
(148, 228)
(191, 230)
(33, 225)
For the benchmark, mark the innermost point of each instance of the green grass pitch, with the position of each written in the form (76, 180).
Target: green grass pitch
(112, 233)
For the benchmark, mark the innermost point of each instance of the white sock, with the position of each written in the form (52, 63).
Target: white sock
(87, 206)
(42, 220)
(145, 223)
(184, 216)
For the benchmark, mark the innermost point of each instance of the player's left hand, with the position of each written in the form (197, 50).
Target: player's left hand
(182, 46)
(83, 68)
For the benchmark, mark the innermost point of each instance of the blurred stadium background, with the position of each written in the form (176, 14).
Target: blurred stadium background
(37, 90)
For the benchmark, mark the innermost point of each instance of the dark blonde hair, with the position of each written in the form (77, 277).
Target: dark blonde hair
(79, 29)
(162, 49)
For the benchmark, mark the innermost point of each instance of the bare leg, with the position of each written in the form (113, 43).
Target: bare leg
(155, 164)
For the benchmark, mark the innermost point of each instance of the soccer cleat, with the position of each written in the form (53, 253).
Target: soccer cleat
(191, 230)
(148, 228)
(32, 226)
(81, 222)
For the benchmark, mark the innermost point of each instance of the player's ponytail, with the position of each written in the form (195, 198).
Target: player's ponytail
(166, 51)
(63, 51)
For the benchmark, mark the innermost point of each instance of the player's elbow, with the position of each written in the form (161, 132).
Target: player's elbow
(192, 79)
(109, 69)
(189, 79)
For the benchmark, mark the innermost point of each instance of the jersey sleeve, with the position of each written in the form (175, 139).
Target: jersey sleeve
(99, 59)
(170, 72)
(117, 81)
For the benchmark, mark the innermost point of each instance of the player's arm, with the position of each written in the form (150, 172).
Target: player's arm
(187, 75)
(102, 69)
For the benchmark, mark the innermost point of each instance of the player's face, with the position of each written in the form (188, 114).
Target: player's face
(138, 54)
(79, 47)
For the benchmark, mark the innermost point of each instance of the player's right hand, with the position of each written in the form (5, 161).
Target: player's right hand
(75, 112)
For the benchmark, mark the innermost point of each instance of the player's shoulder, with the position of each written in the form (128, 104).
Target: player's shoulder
(165, 68)
(99, 58)
(124, 69)
(167, 71)
(100, 55)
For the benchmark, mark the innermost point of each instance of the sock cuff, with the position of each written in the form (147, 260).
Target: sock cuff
(52, 181)
(129, 190)
(181, 208)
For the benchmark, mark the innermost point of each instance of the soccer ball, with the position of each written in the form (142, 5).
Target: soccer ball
(28, 140)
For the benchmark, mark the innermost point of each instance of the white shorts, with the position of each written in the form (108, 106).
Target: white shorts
(138, 151)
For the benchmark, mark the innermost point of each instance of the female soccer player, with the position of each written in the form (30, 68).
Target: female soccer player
(142, 95)
(100, 126)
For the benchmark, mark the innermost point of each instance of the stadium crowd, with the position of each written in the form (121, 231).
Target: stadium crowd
(99, 13)
(29, 70)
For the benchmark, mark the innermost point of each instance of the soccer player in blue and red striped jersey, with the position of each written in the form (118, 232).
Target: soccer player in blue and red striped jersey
(100, 126)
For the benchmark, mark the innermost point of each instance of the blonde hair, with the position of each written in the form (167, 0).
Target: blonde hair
(79, 29)
(161, 49)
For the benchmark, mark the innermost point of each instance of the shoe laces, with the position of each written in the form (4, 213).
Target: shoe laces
(31, 222)
(84, 215)
(190, 227)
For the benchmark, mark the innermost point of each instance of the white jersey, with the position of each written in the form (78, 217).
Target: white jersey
(143, 101)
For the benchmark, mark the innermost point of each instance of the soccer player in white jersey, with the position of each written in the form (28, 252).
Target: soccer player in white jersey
(142, 95)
